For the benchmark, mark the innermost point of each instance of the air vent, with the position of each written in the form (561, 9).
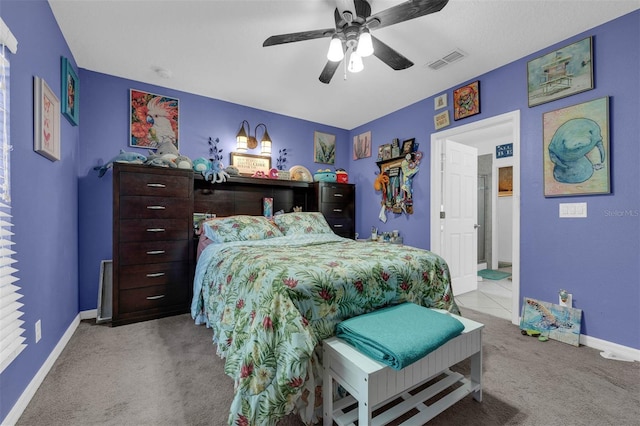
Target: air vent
(456, 55)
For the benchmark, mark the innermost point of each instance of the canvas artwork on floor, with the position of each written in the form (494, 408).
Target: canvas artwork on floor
(553, 321)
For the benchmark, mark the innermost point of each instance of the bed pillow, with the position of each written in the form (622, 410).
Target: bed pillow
(298, 223)
(240, 228)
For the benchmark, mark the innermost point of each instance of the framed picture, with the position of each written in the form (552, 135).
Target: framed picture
(561, 73)
(324, 148)
(553, 321)
(440, 102)
(248, 164)
(576, 149)
(386, 151)
(362, 145)
(380, 153)
(441, 120)
(505, 181)
(154, 119)
(466, 100)
(70, 92)
(46, 117)
(407, 146)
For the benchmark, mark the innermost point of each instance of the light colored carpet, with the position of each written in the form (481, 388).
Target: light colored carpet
(492, 274)
(166, 372)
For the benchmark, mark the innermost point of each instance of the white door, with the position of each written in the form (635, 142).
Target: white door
(460, 205)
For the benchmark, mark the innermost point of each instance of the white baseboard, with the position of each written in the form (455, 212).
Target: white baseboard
(614, 348)
(90, 314)
(22, 402)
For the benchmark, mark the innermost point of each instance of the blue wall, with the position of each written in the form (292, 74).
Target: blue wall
(598, 257)
(62, 210)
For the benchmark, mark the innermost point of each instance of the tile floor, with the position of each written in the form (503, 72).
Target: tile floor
(492, 297)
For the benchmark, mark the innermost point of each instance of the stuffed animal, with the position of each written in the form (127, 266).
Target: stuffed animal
(201, 164)
(183, 162)
(122, 157)
(167, 150)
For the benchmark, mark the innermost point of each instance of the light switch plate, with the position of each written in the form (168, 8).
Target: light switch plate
(573, 209)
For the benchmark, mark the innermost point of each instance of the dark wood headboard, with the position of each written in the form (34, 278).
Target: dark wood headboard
(244, 195)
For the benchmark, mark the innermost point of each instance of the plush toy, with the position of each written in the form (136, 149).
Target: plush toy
(183, 162)
(167, 150)
(200, 165)
(325, 175)
(122, 157)
(218, 174)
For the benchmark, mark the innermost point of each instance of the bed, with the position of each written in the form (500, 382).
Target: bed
(273, 290)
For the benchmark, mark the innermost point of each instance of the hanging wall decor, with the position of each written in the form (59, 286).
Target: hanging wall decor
(395, 181)
(466, 100)
(154, 120)
(576, 149)
(324, 148)
(70, 92)
(362, 145)
(46, 117)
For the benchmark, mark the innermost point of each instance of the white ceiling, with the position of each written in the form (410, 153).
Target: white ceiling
(214, 48)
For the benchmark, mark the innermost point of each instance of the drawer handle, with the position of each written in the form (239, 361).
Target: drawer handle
(156, 207)
(338, 195)
(337, 210)
(155, 275)
(337, 225)
(160, 296)
(156, 252)
(156, 185)
(155, 229)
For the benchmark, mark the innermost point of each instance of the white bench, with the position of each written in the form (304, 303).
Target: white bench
(372, 384)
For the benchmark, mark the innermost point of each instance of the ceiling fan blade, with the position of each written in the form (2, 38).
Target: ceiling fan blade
(389, 56)
(301, 36)
(328, 71)
(404, 12)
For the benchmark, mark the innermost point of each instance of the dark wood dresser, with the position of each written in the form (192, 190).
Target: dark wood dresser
(152, 235)
(337, 202)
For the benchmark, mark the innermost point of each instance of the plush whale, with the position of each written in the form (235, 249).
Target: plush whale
(122, 157)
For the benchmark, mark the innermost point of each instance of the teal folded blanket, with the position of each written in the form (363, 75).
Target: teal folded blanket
(399, 335)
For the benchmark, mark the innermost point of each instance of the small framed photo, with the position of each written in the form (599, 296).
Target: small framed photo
(440, 101)
(324, 148)
(164, 110)
(70, 92)
(466, 100)
(46, 117)
(386, 151)
(441, 120)
(407, 146)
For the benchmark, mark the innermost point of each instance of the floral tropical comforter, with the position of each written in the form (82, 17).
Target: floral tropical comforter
(270, 302)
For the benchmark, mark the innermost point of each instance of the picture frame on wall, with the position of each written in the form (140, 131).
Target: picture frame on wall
(154, 119)
(408, 146)
(70, 92)
(440, 102)
(324, 148)
(466, 100)
(46, 117)
(576, 148)
(561, 73)
(362, 145)
(441, 120)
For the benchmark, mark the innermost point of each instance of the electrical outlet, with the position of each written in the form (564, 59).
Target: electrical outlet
(38, 330)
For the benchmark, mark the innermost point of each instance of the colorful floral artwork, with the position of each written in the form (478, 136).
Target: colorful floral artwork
(154, 119)
(466, 100)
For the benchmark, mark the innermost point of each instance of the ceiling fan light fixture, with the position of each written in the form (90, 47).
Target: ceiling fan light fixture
(365, 45)
(355, 62)
(335, 52)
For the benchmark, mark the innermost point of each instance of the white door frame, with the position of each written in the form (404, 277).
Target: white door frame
(512, 119)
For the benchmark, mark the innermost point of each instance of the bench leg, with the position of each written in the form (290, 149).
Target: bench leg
(327, 395)
(476, 374)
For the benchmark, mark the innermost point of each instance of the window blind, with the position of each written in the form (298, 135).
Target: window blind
(12, 341)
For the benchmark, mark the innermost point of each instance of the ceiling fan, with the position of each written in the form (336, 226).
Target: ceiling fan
(352, 33)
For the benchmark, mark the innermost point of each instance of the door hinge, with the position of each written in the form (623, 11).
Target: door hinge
(442, 215)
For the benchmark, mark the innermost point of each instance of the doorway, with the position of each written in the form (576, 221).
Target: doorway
(490, 132)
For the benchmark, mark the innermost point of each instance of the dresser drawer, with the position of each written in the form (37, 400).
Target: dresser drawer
(154, 229)
(132, 207)
(155, 184)
(336, 210)
(159, 296)
(341, 226)
(153, 252)
(152, 274)
(336, 193)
